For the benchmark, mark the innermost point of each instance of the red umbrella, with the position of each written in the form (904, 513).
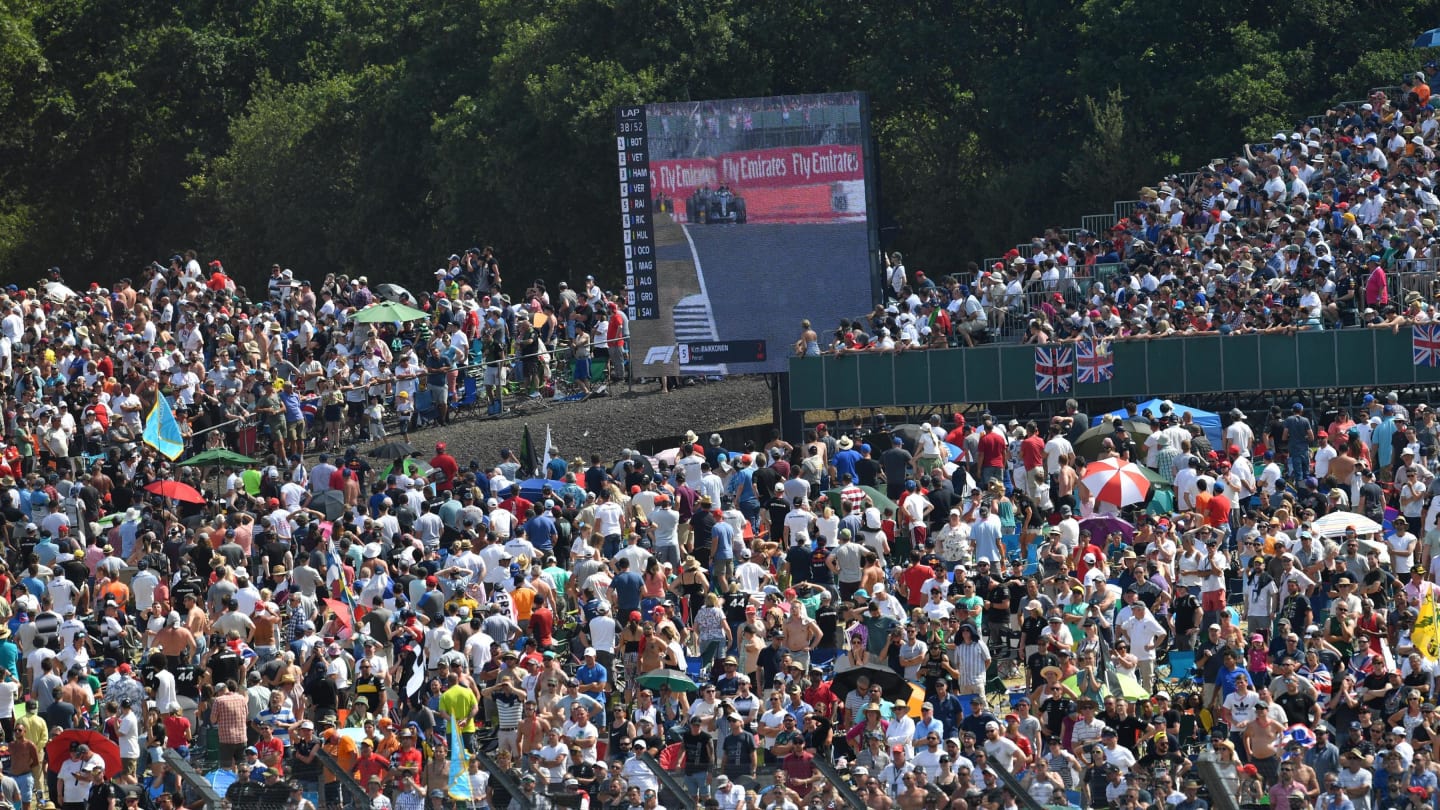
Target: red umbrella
(341, 610)
(175, 490)
(1117, 482)
(58, 749)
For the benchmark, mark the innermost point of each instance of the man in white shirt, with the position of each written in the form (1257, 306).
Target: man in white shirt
(1145, 634)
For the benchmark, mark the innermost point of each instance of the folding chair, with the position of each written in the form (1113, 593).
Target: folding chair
(1012, 546)
(1179, 672)
(469, 394)
(425, 411)
(1032, 560)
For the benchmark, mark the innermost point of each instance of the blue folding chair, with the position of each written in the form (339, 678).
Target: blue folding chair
(425, 411)
(469, 394)
(1032, 560)
(1012, 546)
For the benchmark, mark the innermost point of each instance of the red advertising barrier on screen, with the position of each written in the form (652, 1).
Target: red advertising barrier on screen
(797, 204)
(760, 168)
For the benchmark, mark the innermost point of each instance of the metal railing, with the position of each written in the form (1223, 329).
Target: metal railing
(352, 793)
(1022, 798)
(842, 784)
(195, 786)
(1027, 249)
(1420, 282)
(1098, 224)
(1220, 796)
(505, 779)
(679, 796)
(1123, 208)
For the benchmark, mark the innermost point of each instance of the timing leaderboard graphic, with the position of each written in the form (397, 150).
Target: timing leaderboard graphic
(739, 219)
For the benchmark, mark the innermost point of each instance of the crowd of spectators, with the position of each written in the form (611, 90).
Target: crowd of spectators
(1307, 233)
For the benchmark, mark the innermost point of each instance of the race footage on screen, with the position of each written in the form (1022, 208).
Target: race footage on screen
(741, 217)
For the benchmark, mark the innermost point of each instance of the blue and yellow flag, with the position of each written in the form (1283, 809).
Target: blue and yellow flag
(162, 432)
(459, 787)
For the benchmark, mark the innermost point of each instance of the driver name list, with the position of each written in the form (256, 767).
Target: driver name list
(637, 228)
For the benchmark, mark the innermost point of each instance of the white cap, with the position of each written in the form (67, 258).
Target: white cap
(589, 652)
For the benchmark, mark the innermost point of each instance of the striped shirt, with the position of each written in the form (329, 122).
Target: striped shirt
(971, 660)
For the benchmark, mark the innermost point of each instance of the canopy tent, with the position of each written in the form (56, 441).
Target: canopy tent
(1208, 422)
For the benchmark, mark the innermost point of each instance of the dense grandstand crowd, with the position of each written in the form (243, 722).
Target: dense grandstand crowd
(1307, 232)
(949, 615)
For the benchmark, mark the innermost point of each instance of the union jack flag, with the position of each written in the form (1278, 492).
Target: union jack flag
(1425, 340)
(1093, 361)
(1054, 369)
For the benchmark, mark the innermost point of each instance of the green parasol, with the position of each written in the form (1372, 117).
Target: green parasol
(877, 497)
(675, 679)
(389, 312)
(1155, 478)
(218, 455)
(412, 467)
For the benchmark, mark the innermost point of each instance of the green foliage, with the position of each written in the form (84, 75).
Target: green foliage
(366, 136)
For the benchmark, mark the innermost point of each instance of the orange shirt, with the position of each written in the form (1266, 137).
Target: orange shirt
(1202, 503)
(343, 749)
(524, 601)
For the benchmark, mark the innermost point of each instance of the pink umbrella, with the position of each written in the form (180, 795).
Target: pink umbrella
(1116, 482)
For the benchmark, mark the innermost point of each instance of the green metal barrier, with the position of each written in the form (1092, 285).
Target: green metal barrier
(1171, 366)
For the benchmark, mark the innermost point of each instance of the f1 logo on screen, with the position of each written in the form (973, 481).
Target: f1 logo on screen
(662, 354)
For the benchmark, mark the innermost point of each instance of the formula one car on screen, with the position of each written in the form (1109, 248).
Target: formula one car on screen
(708, 206)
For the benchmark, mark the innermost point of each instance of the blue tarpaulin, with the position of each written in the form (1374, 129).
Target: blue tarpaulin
(1208, 422)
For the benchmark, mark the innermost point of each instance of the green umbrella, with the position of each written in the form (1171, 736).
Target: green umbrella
(217, 455)
(414, 468)
(1155, 478)
(1088, 445)
(1074, 683)
(877, 497)
(1130, 689)
(675, 679)
(389, 312)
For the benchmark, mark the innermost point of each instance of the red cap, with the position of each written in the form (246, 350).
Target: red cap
(745, 459)
(439, 446)
(820, 426)
(749, 608)
(124, 669)
(274, 501)
(658, 611)
(1233, 450)
(1322, 434)
(789, 593)
(959, 418)
(635, 616)
(215, 263)
(431, 581)
(635, 490)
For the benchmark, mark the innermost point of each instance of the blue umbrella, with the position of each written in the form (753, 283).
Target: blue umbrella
(1429, 39)
(953, 451)
(531, 488)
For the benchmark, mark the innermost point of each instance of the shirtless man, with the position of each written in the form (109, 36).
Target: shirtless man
(911, 795)
(197, 621)
(176, 640)
(1261, 738)
(802, 634)
(531, 731)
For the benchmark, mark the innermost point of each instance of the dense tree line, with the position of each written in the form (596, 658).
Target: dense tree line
(356, 135)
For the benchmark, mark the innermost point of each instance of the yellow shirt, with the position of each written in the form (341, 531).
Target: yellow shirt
(459, 702)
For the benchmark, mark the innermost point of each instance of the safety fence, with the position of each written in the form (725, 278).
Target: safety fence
(1209, 364)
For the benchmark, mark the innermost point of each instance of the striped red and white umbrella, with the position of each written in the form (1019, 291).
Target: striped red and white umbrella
(1115, 481)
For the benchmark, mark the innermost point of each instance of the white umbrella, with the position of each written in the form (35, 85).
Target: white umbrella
(1116, 482)
(55, 291)
(1335, 524)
